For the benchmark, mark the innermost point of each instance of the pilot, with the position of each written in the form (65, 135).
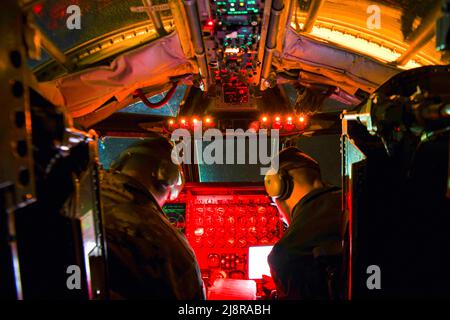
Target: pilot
(299, 260)
(148, 258)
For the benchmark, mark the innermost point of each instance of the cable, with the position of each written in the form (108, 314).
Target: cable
(139, 93)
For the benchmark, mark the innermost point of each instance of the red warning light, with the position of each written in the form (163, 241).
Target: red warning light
(277, 124)
(209, 121)
(184, 123)
(37, 9)
(289, 126)
(210, 23)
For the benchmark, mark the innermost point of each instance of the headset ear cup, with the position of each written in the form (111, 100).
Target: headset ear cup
(274, 185)
(288, 186)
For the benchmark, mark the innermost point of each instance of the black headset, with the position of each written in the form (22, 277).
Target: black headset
(279, 185)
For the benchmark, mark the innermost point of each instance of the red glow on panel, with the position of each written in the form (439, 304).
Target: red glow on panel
(37, 9)
(277, 125)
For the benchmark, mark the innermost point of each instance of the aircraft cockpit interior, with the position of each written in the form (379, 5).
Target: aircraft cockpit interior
(360, 90)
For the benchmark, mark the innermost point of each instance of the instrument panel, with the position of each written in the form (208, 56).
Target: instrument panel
(221, 224)
(232, 41)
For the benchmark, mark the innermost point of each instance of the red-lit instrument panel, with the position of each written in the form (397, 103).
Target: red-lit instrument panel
(220, 229)
(231, 222)
(221, 222)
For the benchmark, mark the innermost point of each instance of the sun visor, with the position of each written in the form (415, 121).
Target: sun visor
(324, 63)
(152, 65)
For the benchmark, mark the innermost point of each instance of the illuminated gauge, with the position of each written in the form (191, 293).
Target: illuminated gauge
(231, 221)
(213, 261)
(220, 220)
(252, 231)
(220, 211)
(210, 210)
(199, 221)
(199, 232)
(251, 221)
(242, 221)
(242, 243)
(262, 210)
(209, 220)
(262, 221)
(230, 242)
(199, 210)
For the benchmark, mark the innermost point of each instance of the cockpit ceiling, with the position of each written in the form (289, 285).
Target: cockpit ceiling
(110, 26)
(340, 49)
(345, 22)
